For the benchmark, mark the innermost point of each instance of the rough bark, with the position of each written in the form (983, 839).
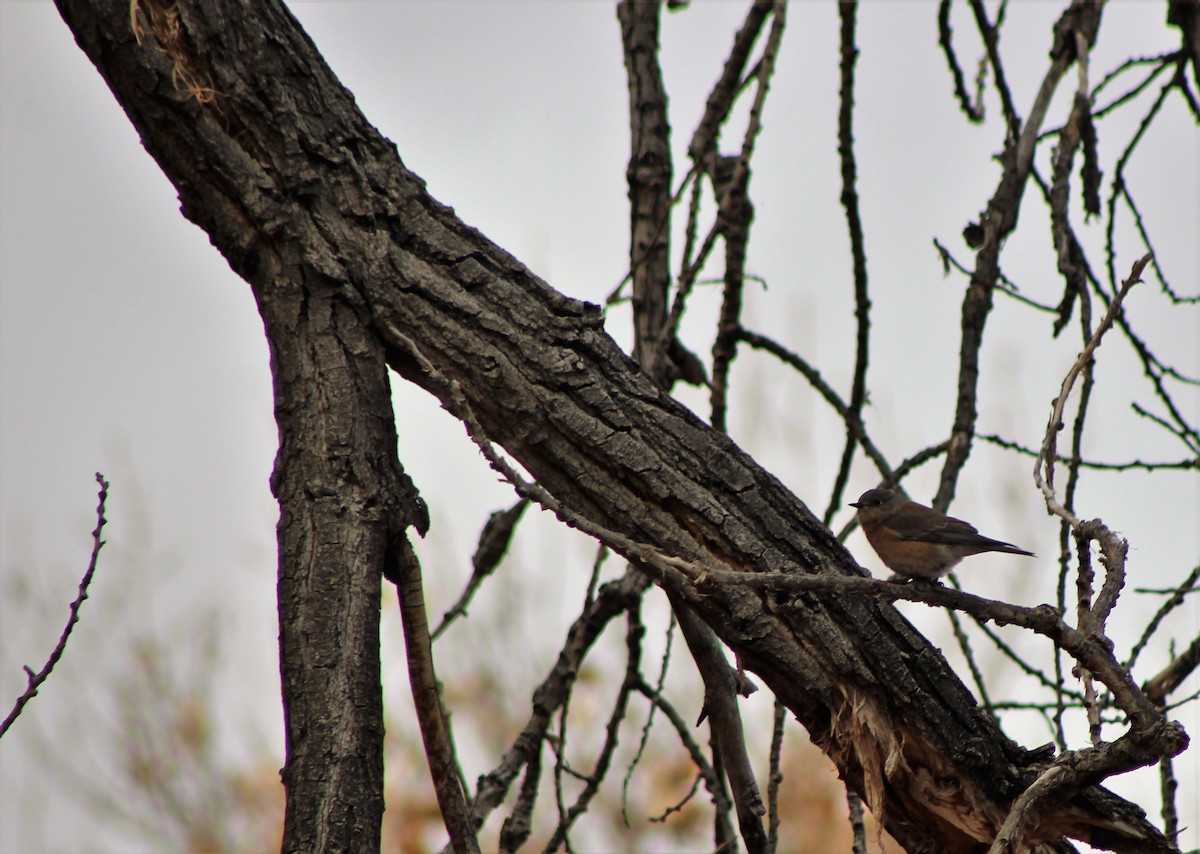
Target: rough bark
(649, 179)
(348, 253)
(343, 496)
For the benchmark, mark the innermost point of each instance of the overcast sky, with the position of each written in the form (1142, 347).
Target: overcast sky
(127, 346)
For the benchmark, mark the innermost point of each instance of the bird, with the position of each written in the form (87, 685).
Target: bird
(916, 541)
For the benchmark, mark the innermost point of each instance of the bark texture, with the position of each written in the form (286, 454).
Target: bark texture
(344, 498)
(353, 263)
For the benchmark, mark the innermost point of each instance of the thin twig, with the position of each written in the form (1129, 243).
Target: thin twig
(848, 55)
(633, 645)
(1170, 788)
(1049, 444)
(851, 419)
(493, 545)
(1183, 665)
(612, 600)
(775, 776)
(1010, 445)
(972, 110)
(659, 685)
(683, 730)
(36, 679)
(1177, 595)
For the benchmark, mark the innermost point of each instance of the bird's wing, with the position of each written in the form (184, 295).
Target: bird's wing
(926, 530)
(948, 531)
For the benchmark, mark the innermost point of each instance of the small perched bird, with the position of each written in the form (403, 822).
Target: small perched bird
(917, 541)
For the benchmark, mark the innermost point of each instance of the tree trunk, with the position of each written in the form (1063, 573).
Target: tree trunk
(353, 262)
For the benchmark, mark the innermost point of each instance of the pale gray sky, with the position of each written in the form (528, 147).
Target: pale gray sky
(127, 345)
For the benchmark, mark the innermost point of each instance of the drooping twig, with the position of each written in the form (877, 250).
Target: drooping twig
(1004, 284)
(851, 419)
(775, 776)
(1184, 434)
(848, 55)
(1161, 63)
(1120, 191)
(990, 33)
(36, 679)
(964, 645)
(972, 109)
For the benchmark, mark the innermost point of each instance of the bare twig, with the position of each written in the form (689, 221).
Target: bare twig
(852, 419)
(646, 727)
(36, 679)
(1142, 465)
(612, 600)
(972, 109)
(633, 644)
(848, 55)
(493, 544)
(706, 772)
(1049, 452)
(1169, 787)
(775, 776)
(731, 181)
(729, 84)
(1175, 600)
(1000, 219)
(991, 38)
(964, 645)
